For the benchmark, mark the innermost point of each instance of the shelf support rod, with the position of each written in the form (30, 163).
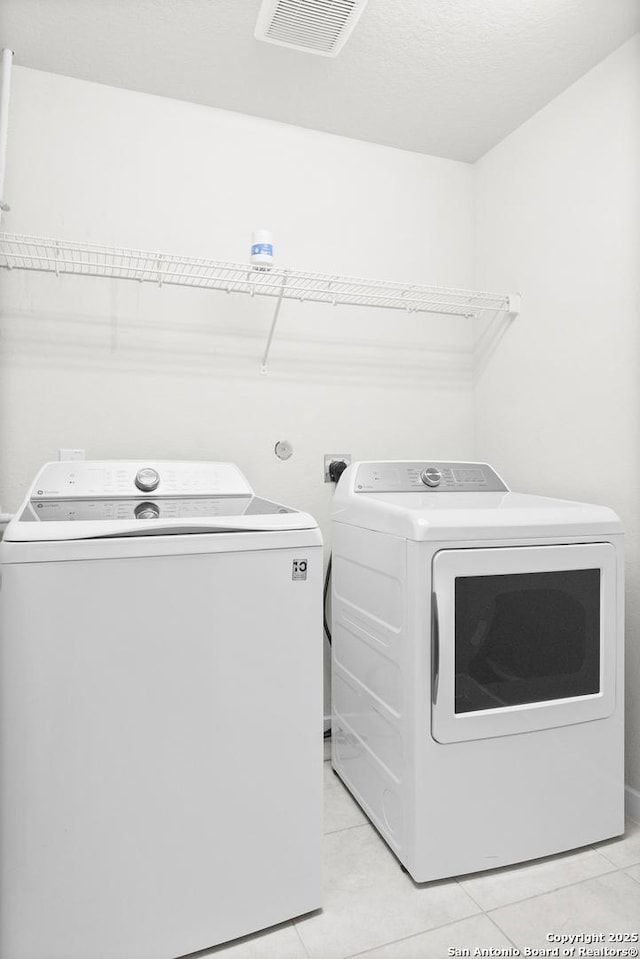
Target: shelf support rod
(7, 57)
(273, 324)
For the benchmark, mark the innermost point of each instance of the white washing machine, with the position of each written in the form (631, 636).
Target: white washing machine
(161, 712)
(477, 665)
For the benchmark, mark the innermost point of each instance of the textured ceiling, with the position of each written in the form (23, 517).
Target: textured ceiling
(446, 77)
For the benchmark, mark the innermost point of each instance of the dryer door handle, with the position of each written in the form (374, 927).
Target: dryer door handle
(435, 649)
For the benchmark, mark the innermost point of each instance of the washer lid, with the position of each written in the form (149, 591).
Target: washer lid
(470, 502)
(96, 499)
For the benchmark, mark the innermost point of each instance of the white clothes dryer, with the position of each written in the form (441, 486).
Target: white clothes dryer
(477, 665)
(161, 712)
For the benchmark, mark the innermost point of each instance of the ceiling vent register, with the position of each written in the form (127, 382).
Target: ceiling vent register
(315, 26)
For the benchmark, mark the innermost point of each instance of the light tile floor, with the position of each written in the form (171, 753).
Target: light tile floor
(373, 910)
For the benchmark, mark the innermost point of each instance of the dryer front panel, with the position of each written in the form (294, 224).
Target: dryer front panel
(523, 638)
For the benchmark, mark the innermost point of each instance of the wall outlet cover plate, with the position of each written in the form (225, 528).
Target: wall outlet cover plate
(330, 458)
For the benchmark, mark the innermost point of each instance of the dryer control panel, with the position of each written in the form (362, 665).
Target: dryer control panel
(428, 476)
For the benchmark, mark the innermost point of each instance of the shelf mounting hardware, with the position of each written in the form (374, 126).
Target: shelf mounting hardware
(514, 305)
(6, 61)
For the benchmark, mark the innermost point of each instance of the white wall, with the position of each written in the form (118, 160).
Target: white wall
(128, 370)
(557, 402)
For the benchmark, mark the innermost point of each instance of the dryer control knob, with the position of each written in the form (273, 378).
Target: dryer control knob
(147, 479)
(431, 476)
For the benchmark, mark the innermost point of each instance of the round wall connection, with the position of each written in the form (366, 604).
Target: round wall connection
(283, 449)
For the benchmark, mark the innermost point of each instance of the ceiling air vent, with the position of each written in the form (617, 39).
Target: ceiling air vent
(315, 26)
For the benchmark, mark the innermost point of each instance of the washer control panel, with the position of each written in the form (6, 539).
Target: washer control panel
(122, 479)
(426, 477)
(147, 496)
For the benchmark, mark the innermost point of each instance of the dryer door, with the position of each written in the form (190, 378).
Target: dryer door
(524, 638)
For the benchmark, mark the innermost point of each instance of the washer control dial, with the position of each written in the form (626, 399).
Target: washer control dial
(147, 479)
(431, 476)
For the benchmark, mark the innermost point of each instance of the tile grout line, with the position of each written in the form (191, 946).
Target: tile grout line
(563, 885)
(425, 932)
(548, 892)
(501, 931)
(604, 855)
(414, 935)
(356, 825)
(470, 895)
(300, 939)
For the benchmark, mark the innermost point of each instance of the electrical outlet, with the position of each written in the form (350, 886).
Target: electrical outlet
(68, 454)
(330, 458)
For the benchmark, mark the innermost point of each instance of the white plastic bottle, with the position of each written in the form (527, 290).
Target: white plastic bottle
(262, 249)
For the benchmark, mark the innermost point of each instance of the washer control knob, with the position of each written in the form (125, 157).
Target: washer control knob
(431, 476)
(147, 479)
(146, 511)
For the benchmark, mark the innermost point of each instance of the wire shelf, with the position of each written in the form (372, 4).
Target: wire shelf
(87, 259)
